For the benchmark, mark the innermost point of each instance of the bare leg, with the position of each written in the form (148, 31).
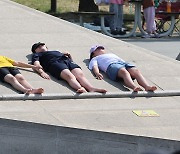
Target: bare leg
(13, 81)
(141, 80)
(123, 73)
(71, 79)
(26, 85)
(77, 72)
(22, 81)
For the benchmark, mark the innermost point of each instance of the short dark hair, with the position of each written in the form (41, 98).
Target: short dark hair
(35, 46)
(91, 55)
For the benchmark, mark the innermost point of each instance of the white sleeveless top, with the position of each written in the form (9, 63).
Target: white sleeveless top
(104, 60)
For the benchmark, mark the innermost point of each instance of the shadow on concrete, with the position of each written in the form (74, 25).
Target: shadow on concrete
(29, 58)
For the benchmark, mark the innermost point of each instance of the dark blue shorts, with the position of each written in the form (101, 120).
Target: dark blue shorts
(57, 67)
(112, 70)
(8, 70)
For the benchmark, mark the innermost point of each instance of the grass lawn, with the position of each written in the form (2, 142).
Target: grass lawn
(44, 5)
(64, 7)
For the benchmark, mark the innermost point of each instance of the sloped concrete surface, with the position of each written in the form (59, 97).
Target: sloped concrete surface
(21, 26)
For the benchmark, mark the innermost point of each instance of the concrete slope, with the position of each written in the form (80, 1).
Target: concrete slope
(21, 27)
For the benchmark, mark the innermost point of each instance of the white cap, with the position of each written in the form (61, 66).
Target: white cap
(93, 48)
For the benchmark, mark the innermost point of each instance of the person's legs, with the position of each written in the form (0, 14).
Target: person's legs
(154, 22)
(116, 21)
(152, 17)
(9, 74)
(71, 79)
(77, 72)
(60, 69)
(22, 81)
(135, 73)
(149, 15)
(120, 17)
(125, 75)
(26, 85)
(13, 81)
(146, 17)
(112, 9)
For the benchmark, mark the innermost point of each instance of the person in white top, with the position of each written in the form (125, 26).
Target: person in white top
(116, 68)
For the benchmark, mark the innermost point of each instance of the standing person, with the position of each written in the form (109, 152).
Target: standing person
(149, 15)
(116, 68)
(116, 21)
(61, 66)
(10, 74)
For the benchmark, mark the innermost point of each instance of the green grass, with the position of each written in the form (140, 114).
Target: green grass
(44, 5)
(64, 7)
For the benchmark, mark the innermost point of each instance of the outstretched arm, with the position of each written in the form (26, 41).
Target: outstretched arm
(25, 65)
(41, 71)
(98, 75)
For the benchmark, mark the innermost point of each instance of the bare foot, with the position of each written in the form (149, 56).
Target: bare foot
(136, 89)
(151, 88)
(81, 90)
(28, 91)
(35, 91)
(98, 90)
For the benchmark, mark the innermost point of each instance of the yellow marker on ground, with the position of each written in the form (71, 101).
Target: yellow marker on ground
(146, 113)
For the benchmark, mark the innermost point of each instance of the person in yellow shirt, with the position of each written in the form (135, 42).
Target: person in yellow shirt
(10, 73)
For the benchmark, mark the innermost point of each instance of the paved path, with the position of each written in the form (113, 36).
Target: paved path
(169, 47)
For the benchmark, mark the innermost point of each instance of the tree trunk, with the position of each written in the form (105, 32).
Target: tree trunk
(88, 6)
(53, 5)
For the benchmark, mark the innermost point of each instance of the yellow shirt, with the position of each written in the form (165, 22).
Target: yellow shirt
(6, 62)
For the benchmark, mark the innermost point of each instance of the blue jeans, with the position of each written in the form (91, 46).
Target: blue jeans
(112, 70)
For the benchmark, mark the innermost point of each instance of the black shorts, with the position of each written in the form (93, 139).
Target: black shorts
(8, 70)
(57, 67)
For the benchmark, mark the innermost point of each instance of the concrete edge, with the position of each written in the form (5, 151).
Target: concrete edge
(57, 96)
